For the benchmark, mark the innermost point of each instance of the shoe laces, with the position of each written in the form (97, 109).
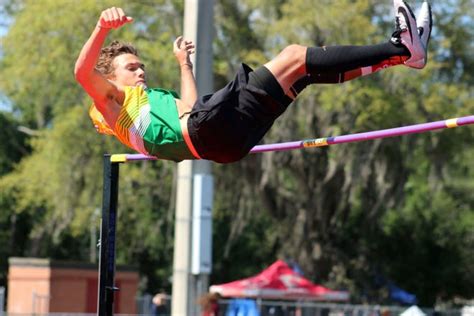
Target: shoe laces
(398, 30)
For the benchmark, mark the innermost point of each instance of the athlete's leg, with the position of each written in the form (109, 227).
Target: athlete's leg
(297, 66)
(288, 66)
(332, 64)
(403, 36)
(340, 76)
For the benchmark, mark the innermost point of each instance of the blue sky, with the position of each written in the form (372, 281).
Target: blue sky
(5, 20)
(4, 105)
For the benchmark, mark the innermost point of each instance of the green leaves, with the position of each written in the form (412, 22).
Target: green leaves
(401, 207)
(347, 211)
(58, 186)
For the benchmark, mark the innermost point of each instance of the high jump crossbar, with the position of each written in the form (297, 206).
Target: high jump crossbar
(327, 141)
(110, 191)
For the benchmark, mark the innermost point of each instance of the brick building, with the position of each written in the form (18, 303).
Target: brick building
(45, 286)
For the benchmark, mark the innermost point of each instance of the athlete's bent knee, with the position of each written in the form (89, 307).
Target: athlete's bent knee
(294, 53)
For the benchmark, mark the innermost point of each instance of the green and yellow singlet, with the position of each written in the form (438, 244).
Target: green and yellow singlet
(148, 123)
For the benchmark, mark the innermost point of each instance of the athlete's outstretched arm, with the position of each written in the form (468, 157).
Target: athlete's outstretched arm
(93, 82)
(182, 49)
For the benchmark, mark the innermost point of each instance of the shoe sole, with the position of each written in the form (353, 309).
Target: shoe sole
(416, 56)
(424, 38)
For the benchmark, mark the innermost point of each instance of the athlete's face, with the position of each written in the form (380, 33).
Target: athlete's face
(128, 71)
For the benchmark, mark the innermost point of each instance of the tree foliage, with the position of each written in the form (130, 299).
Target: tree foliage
(341, 212)
(398, 208)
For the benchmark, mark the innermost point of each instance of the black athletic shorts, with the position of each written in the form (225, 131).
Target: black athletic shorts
(225, 125)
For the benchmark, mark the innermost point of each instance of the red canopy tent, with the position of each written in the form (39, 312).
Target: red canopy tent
(278, 281)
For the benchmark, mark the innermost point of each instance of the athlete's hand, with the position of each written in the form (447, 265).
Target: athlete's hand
(113, 18)
(182, 49)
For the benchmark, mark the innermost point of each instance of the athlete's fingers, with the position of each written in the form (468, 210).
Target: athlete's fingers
(115, 17)
(110, 15)
(123, 17)
(105, 16)
(177, 42)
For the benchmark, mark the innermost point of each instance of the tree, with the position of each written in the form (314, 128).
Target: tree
(13, 143)
(345, 213)
(57, 189)
(333, 209)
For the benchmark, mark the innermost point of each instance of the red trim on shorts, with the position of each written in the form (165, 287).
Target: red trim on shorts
(187, 139)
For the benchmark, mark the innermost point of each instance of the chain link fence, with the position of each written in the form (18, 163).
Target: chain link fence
(307, 308)
(297, 308)
(145, 306)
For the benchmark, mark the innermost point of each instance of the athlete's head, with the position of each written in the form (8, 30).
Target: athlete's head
(119, 63)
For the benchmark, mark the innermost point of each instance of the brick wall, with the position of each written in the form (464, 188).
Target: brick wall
(45, 286)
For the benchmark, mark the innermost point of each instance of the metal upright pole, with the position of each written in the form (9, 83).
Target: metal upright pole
(198, 27)
(107, 287)
(2, 300)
